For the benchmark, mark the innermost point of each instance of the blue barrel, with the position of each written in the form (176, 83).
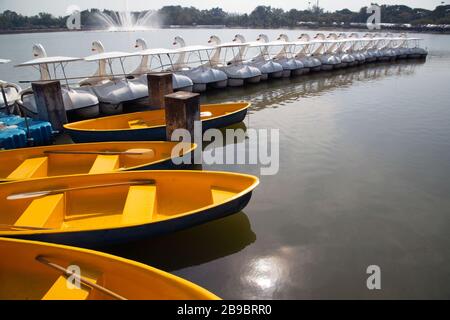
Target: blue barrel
(40, 131)
(12, 138)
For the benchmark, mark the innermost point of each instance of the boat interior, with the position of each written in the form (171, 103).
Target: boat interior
(148, 119)
(27, 275)
(57, 160)
(116, 200)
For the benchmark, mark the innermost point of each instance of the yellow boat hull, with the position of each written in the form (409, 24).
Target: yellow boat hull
(40, 162)
(23, 276)
(120, 211)
(150, 125)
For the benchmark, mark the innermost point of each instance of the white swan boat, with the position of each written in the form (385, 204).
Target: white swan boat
(338, 47)
(9, 93)
(262, 61)
(81, 102)
(384, 46)
(357, 49)
(285, 56)
(367, 44)
(373, 54)
(401, 45)
(237, 72)
(329, 60)
(415, 51)
(288, 55)
(393, 45)
(113, 92)
(203, 75)
(342, 49)
(179, 82)
(304, 50)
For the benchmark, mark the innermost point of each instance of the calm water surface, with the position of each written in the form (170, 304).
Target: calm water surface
(364, 179)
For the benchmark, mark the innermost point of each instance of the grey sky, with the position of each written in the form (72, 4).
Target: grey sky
(59, 7)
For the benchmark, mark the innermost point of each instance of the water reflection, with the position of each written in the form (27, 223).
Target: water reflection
(276, 93)
(265, 275)
(238, 139)
(193, 246)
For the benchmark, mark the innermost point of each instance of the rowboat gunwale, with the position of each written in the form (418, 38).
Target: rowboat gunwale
(114, 259)
(73, 126)
(191, 213)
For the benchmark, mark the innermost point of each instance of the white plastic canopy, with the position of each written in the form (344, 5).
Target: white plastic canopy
(110, 55)
(194, 48)
(48, 60)
(231, 45)
(156, 51)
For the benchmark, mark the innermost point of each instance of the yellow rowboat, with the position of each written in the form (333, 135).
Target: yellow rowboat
(39, 271)
(103, 209)
(150, 125)
(87, 158)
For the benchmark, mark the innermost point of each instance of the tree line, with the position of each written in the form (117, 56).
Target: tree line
(260, 17)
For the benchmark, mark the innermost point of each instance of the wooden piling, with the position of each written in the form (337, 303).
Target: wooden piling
(182, 110)
(50, 103)
(159, 85)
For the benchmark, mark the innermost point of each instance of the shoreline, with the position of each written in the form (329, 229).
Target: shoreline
(328, 27)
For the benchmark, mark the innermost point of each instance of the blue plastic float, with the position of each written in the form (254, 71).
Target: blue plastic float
(13, 132)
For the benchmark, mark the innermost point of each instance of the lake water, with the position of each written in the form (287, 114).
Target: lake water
(364, 178)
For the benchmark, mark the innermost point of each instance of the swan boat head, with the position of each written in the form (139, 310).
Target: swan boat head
(38, 51)
(143, 66)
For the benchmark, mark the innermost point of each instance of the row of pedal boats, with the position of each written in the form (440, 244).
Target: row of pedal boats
(217, 65)
(104, 193)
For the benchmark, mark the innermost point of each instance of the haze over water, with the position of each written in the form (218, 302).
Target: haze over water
(364, 178)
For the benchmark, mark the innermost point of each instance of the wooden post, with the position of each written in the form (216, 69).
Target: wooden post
(182, 110)
(50, 103)
(159, 85)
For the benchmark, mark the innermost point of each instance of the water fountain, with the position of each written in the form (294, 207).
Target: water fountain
(129, 21)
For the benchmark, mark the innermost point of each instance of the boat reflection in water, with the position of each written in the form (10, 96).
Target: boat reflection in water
(193, 246)
(282, 91)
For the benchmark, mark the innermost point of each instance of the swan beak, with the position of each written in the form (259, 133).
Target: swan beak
(136, 46)
(174, 44)
(92, 49)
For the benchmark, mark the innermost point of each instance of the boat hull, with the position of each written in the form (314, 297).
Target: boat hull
(302, 71)
(99, 238)
(111, 109)
(219, 84)
(149, 134)
(286, 73)
(255, 79)
(327, 67)
(187, 89)
(277, 74)
(81, 158)
(86, 112)
(236, 82)
(125, 278)
(199, 87)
